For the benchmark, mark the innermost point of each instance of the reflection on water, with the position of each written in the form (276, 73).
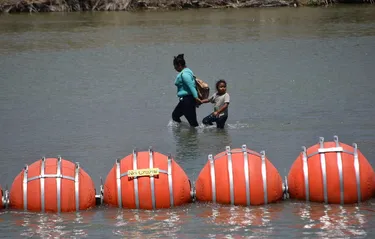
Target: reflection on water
(335, 221)
(237, 220)
(148, 224)
(210, 221)
(49, 225)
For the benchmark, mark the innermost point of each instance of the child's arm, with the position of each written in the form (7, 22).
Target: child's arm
(208, 100)
(218, 112)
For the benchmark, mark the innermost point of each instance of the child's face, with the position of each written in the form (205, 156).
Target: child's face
(221, 88)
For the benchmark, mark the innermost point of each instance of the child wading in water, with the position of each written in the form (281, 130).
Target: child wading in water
(220, 99)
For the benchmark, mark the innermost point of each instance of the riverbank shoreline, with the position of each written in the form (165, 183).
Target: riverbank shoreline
(30, 6)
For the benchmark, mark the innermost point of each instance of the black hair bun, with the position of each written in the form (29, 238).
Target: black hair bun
(180, 56)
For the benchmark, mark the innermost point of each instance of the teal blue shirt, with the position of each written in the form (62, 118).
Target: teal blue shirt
(185, 83)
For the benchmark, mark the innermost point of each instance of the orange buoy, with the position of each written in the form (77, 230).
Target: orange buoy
(52, 185)
(146, 180)
(331, 172)
(239, 177)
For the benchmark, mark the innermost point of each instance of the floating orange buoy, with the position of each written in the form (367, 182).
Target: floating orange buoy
(147, 180)
(331, 172)
(52, 185)
(239, 177)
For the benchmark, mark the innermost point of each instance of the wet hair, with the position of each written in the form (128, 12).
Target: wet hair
(179, 60)
(219, 82)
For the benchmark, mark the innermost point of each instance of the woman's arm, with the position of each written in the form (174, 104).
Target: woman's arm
(188, 80)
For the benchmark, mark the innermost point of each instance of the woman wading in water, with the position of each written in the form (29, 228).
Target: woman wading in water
(186, 93)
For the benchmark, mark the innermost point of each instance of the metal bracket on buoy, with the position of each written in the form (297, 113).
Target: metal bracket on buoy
(5, 198)
(99, 197)
(285, 189)
(193, 192)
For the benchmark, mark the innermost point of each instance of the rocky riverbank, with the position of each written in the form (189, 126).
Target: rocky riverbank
(11, 6)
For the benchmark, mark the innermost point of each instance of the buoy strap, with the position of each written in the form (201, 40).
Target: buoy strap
(330, 150)
(51, 176)
(230, 174)
(305, 169)
(237, 151)
(246, 173)
(213, 178)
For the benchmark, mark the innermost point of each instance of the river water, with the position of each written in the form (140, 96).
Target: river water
(91, 87)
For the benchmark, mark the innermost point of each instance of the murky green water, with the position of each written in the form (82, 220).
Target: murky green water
(92, 86)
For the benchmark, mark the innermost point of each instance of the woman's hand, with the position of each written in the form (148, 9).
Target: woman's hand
(215, 114)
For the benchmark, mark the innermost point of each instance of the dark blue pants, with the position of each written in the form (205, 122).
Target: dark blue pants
(220, 121)
(186, 107)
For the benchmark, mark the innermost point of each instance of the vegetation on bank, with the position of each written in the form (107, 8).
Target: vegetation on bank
(10, 6)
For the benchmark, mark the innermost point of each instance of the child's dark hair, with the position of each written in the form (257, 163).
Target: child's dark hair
(219, 82)
(179, 60)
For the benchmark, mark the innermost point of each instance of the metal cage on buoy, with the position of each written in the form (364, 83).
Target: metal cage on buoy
(164, 183)
(52, 184)
(239, 177)
(331, 172)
